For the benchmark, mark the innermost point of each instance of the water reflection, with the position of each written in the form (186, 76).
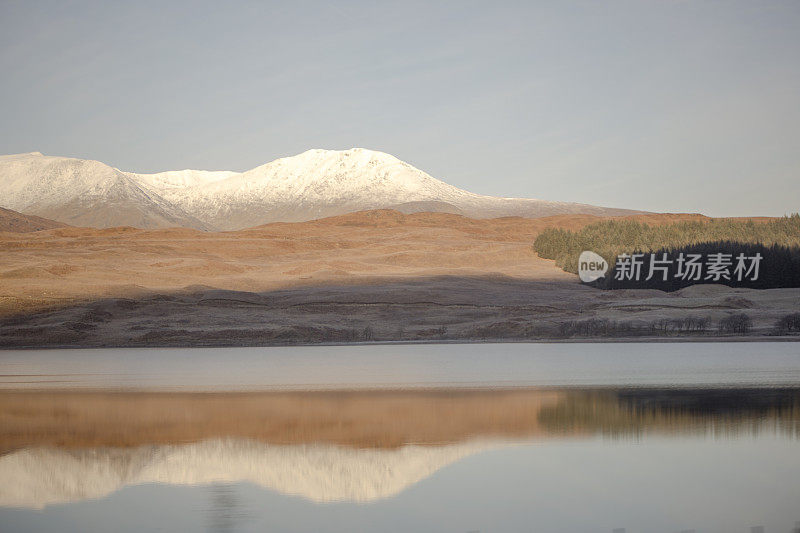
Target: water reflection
(322, 473)
(225, 510)
(334, 446)
(636, 412)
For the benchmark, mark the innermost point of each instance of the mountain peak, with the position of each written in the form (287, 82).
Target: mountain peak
(318, 157)
(313, 184)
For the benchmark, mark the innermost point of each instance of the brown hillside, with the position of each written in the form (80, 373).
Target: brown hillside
(15, 222)
(50, 268)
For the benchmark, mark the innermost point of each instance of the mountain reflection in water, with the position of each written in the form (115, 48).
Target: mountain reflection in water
(332, 446)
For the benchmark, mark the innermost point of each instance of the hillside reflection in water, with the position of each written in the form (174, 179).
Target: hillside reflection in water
(342, 460)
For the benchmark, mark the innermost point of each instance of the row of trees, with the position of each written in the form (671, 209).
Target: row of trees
(779, 266)
(603, 327)
(778, 241)
(735, 324)
(732, 324)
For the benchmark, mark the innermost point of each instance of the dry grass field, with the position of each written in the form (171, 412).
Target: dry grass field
(373, 275)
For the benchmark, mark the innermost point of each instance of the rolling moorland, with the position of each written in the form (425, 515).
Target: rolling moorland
(362, 277)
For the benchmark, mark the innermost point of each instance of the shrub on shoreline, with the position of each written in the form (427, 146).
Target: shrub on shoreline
(788, 324)
(738, 323)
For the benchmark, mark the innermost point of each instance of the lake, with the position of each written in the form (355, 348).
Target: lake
(482, 437)
(406, 366)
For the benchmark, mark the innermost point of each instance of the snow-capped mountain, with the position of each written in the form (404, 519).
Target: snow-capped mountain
(314, 184)
(84, 193)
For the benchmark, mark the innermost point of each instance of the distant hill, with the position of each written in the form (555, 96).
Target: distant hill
(20, 223)
(308, 186)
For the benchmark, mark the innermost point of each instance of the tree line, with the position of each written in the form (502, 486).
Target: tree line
(777, 242)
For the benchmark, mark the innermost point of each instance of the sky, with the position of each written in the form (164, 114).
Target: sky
(675, 106)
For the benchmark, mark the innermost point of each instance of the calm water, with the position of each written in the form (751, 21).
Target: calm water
(511, 437)
(439, 365)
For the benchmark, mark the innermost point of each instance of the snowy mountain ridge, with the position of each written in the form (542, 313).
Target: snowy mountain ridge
(84, 193)
(314, 184)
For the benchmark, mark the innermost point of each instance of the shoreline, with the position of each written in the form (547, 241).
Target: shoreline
(582, 340)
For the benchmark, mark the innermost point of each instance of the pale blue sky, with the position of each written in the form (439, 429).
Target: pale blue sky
(664, 106)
